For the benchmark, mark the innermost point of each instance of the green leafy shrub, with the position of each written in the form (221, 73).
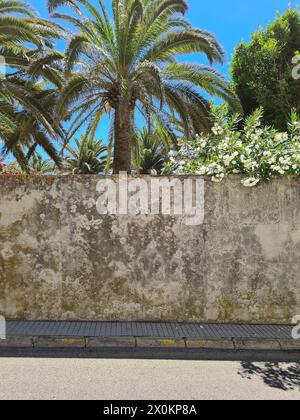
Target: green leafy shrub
(13, 168)
(262, 70)
(256, 152)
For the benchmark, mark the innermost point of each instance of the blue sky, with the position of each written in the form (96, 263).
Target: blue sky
(232, 21)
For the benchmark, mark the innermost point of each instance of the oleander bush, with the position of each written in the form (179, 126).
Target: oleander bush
(257, 152)
(13, 168)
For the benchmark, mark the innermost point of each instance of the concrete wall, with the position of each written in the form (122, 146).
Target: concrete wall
(59, 259)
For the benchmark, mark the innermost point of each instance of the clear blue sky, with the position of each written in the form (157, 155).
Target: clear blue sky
(232, 21)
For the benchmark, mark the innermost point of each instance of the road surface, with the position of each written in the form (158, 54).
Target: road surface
(71, 378)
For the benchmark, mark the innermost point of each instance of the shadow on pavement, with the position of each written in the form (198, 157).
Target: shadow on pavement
(164, 354)
(275, 375)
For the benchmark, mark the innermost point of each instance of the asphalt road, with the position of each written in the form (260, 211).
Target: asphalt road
(72, 378)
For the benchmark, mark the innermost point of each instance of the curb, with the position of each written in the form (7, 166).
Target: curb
(58, 342)
(93, 343)
(17, 342)
(99, 342)
(255, 344)
(214, 344)
(287, 345)
(159, 343)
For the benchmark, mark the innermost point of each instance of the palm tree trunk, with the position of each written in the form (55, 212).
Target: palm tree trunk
(122, 149)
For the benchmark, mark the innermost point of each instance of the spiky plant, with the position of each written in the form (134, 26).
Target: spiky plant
(88, 157)
(127, 64)
(40, 165)
(150, 152)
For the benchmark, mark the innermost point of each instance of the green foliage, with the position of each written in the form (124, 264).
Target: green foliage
(27, 118)
(150, 152)
(36, 166)
(88, 158)
(262, 70)
(257, 152)
(41, 166)
(125, 61)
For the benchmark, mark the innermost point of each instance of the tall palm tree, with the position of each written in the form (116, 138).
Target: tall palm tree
(128, 64)
(89, 157)
(28, 92)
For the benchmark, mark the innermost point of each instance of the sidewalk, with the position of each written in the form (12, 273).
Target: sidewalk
(95, 335)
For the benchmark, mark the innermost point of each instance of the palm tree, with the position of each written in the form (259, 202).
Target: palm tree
(22, 131)
(149, 152)
(88, 158)
(26, 104)
(127, 65)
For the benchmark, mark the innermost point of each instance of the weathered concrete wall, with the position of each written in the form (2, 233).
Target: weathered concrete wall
(59, 259)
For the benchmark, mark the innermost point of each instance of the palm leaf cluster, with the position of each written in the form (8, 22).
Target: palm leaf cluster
(128, 64)
(150, 151)
(88, 157)
(29, 82)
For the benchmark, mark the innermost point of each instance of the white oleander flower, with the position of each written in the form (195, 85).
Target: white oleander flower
(217, 130)
(201, 171)
(261, 152)
(250, 182)
(280, 137)
(217, 179)
(267, 154)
